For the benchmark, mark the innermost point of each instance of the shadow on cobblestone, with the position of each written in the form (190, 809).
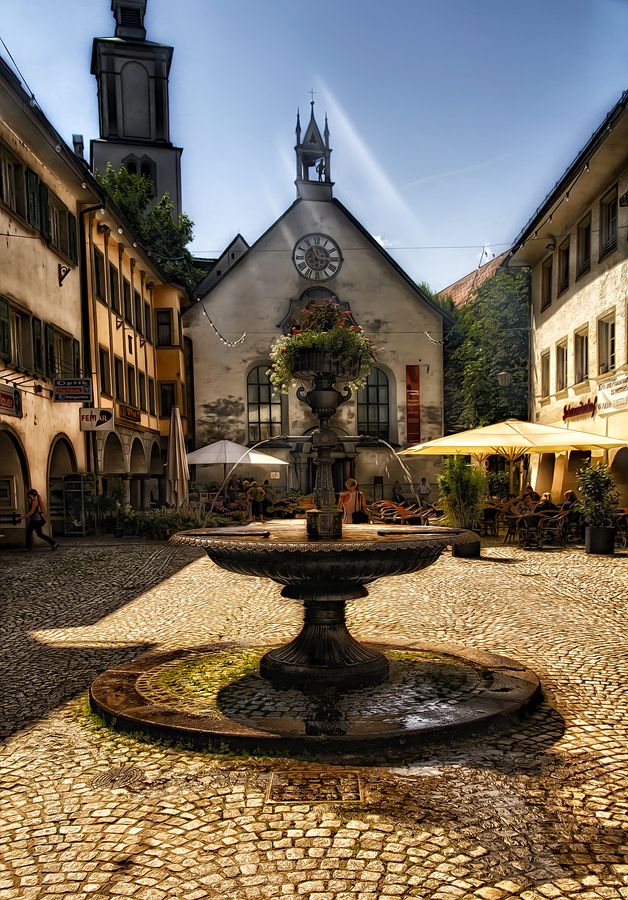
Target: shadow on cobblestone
(54, 594)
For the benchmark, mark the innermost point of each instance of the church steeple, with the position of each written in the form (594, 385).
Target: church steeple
(313, 161)
(132, 75)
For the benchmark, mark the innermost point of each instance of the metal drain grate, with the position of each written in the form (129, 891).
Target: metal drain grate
(302, 787)
(119, 777)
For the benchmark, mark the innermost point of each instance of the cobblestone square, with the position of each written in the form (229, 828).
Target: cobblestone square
(539, 810)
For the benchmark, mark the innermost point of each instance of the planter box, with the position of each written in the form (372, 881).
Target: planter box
(599, 540)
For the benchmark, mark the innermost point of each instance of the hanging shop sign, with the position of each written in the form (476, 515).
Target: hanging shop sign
(96, 419)
(10, 400)
(583, 408)
(72, 390)
(130, 413)
(612, 396)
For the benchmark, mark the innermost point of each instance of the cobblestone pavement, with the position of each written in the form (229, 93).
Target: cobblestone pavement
(538, 811)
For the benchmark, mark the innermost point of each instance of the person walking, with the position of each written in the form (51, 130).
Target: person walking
(35, 520)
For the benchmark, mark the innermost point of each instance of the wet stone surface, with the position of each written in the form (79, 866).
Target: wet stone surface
(537, 811)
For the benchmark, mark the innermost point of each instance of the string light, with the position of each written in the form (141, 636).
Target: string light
(220, 336)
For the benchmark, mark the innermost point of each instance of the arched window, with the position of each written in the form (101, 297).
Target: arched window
(373, 405)
(264, 406)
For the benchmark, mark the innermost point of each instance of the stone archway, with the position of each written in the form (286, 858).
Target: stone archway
(138, 469)
(14, 483)
(154, 486)
(113, 461)
(61, 462)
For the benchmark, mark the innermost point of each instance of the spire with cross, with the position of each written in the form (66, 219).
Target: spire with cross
(313, 157)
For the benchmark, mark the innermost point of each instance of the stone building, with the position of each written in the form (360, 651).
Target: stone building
(133, 104)
(259, 292)
(42, 185)
(576, 245)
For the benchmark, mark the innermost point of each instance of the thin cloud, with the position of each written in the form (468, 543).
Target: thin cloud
(453, 173)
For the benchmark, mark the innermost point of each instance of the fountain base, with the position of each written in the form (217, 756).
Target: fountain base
(213, 696)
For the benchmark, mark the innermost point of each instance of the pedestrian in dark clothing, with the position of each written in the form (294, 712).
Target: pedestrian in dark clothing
(35, 520)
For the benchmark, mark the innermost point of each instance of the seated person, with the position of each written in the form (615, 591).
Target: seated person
(545, 504)
(397, 496)
(569, 499)
(531, 494)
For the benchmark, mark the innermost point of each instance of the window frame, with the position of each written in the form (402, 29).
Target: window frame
(142, 390)
(581, 369)
(152, 404)
(260, 422)
(562, 366)
(608, 323)
(609, 214)
(563, 266)
(100, 287)
(167, 384)
(118, 379)
(369, 410)
(547, 277)
(583, 246)
(104, 369)
(131, 387)
(114, 287)
(169, 325)
(544, 370)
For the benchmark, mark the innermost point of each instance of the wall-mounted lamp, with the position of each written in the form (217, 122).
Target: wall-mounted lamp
(103, 229)
(120, 231)
(150, 285)
(551, 242)
(504, 378)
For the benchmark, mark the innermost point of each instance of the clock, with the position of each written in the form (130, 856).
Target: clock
(317, 257)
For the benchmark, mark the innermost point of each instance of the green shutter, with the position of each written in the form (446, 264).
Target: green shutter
(5, 331)
(76, 358)
(43, 211)
(50, 351)
(38, 350)
(33, 197)
(72, 247)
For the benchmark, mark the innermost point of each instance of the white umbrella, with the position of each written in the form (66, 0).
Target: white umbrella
(227, 453)
(177, 472)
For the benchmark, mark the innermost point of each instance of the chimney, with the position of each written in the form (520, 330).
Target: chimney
(79, 145)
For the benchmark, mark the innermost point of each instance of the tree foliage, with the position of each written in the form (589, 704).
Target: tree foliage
(162, 234)
(489, 334)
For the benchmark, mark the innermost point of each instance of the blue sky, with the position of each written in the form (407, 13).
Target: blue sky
(450, 120)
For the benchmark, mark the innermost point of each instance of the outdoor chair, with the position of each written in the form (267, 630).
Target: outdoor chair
(489, 521)
(621, 534)
(552, 530)
(528, 530)
(509, 521)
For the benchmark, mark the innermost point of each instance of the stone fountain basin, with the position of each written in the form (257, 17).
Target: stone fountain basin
(282, 551)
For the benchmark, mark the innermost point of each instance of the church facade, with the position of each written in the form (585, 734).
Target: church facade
(261, 291)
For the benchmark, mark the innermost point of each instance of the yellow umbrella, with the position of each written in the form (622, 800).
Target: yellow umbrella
(513, 439)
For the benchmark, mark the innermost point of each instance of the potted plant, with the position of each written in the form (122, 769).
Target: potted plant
(462, 488)
(598, 507)
(323, 341)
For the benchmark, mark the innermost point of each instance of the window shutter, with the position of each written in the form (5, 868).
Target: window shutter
(43, 211)
(72, 246)
(5, 332)
(38, 354)
(33, 196)
(50, 351)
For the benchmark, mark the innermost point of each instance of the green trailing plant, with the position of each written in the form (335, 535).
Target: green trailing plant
(598, 496)
(322, 326)
(462, 488)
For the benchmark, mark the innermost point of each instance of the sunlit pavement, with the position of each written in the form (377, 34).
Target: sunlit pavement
(535, 812)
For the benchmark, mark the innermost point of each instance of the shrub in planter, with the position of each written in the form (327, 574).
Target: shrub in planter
(462, 488)
(597, 506)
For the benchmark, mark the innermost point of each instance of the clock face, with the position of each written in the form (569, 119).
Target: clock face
(317, 257)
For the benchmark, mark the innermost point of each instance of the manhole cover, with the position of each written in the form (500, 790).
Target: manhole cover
(299, 787)
(119, 777)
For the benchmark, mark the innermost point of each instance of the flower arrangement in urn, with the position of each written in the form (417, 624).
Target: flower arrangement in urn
(323, 340)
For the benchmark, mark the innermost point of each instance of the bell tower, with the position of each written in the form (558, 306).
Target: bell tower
(133, 105)
(313, 179)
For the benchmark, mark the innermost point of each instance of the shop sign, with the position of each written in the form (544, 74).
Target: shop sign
(72, 390)
(583, 408)
(10, 400)
(612, 396)
(96, 419)
(130, 413)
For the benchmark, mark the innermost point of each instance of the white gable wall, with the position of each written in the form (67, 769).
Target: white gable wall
(255, 296)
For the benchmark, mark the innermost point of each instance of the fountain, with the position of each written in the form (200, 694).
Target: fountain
(325, 685)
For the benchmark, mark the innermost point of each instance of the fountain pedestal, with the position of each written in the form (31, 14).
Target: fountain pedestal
(324, 652)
